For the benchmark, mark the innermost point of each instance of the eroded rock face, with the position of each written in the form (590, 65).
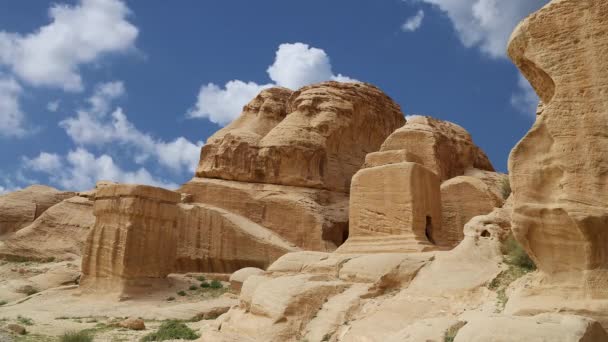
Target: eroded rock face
(20, 208)
(462, 198)
(59, 233)
(393, 208)
(316, 137)
(134, 240)
(443, 147)
(559, 170)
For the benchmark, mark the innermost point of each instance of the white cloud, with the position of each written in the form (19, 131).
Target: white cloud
(295, 66)
(525, 98)
(77, 35)
(81, 169)
(45, 162)
(94, 126)
(222, 105)
(413, 23)
(486, 24)
(53, 106)
(11, 116)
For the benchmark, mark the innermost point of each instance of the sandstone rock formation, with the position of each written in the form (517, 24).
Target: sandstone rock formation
(443, 147)
(134, 240)
(317, 137)
(59, 233)
(274, 181)
(238, 278)
(462, 198)
(393, 208)
(559, 170)
(20, 208)
(545, 327)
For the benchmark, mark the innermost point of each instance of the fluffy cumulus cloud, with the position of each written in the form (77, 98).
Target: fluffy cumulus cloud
(81, 169)
(11, 116)
(295, 66)
(486, 24)
(77, 35)
(99, 125)
(413, 23)
(97, 129)
(53, 106)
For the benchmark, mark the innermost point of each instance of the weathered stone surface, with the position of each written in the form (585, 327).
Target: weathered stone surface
(20, 208)
(59, 233)
(443, 147)
(559, 170)
(321, 216)
(545, 327)
(134, 240)
(238, 278)
(393, 208)
(133, 323)
(462, 198)
(316, 137)
(211, 239)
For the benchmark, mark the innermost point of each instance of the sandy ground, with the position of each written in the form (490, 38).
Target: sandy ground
(59, 306)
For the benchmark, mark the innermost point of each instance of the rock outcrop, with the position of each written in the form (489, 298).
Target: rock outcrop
(316, 137)
(559, 170)
(20, 208)
(443, 147)
(59, 233)
(393, 208)
(462, 198)
(134, 241)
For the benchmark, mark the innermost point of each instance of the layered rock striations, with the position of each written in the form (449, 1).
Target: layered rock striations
(316, 137)
(134, 241)
(20, 208)
(559, 170)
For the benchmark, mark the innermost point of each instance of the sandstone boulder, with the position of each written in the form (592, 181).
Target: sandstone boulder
(462, 198)
(20, 208)
(238, 278)
(393, 208)
(59, 233)
(133, 324)
(545, 327)
(316, 137)
(133, 243)
(443, 147)
(559, 170)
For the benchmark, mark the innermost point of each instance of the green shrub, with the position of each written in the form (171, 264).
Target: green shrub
(450, 334)
(170, 298)
(30, 291)
(516, 255)
(25, 320)
(201, 278)
(76, 336)
(172, 330)
(181, 293)
(193, 287)
(505, 188)
(3, 302)
(205, 285)
(215, 284)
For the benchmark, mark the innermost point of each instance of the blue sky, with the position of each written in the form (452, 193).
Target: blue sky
(129, 90)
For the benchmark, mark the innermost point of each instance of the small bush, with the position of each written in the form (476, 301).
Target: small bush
(516, 255)
(205, 285)
(181, 293)
(170, 299)
(30, 291)
(450, 334)
(505, 188)
(201, 278)
(193, 287)
(25, 320)
(76, 336)
(172, 330)
(3, 302)
(215, 284)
